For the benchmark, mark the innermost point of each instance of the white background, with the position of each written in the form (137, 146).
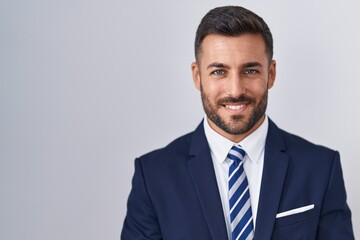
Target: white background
(86, 86)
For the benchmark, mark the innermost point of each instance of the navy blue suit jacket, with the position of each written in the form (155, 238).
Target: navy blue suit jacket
(175, 195)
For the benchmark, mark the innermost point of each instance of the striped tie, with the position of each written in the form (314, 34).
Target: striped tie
(241, 220)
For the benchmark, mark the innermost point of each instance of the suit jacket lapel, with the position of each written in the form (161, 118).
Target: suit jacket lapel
(203, 176)
(275, 166)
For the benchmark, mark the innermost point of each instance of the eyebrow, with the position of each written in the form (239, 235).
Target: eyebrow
(251, 64)
(245, 65)
(217, 65)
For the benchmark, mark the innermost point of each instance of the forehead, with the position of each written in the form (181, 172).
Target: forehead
(233, 49)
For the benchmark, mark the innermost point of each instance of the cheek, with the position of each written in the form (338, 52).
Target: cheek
(216, 93)
(212, 89)
(257, 87)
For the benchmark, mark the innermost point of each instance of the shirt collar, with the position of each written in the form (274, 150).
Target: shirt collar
(253, 144)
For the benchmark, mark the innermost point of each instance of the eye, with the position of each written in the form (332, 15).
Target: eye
(250, 72)
(218, 72)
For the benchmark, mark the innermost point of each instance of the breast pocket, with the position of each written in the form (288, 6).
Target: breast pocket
(299, 226)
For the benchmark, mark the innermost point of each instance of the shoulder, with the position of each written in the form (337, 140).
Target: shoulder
(302, 152)
(179, 146)
(295, 143)
(167, 162)
(307, 163)
(298, 148)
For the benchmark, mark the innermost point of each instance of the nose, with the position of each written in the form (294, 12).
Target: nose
(235, 85)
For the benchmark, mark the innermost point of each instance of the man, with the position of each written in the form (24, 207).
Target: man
(237, 176)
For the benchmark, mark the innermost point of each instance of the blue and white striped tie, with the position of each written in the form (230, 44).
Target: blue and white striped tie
(241, 220)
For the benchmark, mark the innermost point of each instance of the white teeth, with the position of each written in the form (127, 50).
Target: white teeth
(234, 107)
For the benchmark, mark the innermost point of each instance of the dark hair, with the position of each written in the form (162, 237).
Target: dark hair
(232, 21)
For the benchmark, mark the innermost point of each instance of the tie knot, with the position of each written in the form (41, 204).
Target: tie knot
(236, 153)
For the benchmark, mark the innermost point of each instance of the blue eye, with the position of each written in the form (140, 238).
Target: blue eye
(251, 71)
(218, 72)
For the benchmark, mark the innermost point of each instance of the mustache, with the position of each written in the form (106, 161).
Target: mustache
(243, 99)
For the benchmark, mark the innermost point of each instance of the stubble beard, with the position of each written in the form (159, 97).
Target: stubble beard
(238, 124)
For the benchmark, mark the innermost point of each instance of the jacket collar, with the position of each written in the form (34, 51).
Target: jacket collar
(203, 177)
(274, 172)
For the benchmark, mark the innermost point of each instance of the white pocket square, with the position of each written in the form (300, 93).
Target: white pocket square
(295, 211)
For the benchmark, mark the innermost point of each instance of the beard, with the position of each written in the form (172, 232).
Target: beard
(238, 124)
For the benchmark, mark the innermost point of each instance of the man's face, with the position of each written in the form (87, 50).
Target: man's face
(233, 75)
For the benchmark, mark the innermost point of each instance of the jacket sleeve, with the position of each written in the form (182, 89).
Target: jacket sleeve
(141, 222)
(335, 218)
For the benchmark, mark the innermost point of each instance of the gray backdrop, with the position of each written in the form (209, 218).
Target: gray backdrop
(88, 85)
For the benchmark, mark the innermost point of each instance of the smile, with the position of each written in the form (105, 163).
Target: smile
(236, 108)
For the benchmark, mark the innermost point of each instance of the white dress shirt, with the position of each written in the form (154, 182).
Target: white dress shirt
(254, 146)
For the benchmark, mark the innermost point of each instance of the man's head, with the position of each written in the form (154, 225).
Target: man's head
(234, 70)
(232, 21)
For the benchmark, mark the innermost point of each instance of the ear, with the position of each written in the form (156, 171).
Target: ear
(272, 74)
(195, 68)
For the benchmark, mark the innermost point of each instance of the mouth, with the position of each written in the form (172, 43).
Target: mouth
(236, 107)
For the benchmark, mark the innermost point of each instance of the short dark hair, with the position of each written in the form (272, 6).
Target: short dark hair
(232, 21)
